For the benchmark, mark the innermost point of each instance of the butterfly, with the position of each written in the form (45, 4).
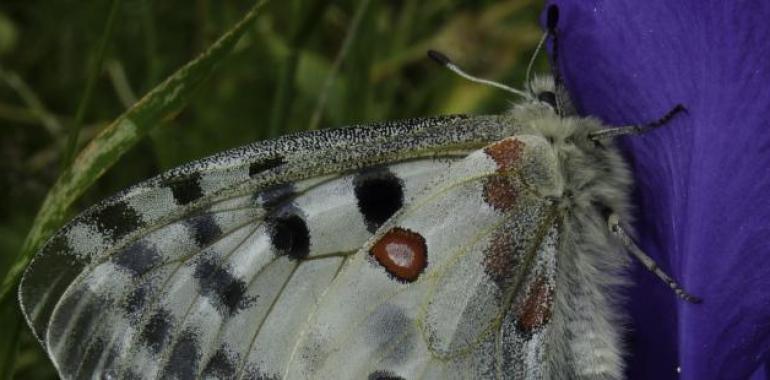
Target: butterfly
(441, 247)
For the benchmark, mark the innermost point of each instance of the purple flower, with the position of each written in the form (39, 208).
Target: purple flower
(703, 180)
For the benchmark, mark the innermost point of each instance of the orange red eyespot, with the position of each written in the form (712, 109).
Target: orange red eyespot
(402, 253)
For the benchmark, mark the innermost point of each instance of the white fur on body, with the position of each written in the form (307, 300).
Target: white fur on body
(591, 264)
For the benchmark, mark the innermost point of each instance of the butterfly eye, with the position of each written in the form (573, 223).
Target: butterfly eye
(548, 97)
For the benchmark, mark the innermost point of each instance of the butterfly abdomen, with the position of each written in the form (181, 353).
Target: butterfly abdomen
(594, 181)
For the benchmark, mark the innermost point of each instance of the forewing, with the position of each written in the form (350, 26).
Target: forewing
(194, 271)
(459, 284)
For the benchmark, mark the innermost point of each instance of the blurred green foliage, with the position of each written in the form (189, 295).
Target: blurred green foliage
(302, 64)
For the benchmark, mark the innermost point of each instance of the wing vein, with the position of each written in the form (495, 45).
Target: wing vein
(245, 359)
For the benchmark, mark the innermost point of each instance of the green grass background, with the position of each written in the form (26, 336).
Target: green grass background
(296, 65)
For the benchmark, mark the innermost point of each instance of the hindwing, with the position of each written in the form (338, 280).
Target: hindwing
(478, 300)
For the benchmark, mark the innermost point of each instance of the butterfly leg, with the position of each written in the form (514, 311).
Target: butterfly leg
(637, 129)
(618, 231)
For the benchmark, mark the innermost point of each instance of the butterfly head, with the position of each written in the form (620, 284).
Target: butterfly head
(543, 89)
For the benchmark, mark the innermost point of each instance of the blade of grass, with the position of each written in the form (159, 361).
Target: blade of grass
(103, 151)
(343, 52)
(120, 83)
(16, 114)
(285, 89)
(34, 105)
(152, 62)
(96, 69)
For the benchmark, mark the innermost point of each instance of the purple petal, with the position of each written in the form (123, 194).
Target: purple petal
(703, 180)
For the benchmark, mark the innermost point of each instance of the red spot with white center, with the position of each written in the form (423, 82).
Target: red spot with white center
(402, 253)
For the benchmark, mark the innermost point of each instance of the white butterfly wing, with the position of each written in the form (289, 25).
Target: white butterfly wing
(213, 269)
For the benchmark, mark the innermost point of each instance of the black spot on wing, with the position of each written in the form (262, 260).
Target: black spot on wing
(222, 288)
(204, 229)
(276, 195)
(380, 193)
(261, 166)
(137, 259)
(158, 330)
(116, 220)
(58, 245)
(184, 358)
(136, 300)
(221, 365)
(186, 190)
(384, 375)
(289, 233)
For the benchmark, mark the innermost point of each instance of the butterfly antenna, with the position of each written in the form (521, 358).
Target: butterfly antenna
(443, 60)
(532, 61)
(552, 19)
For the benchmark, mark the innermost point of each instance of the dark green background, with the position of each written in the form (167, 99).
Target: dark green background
(48, 47)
